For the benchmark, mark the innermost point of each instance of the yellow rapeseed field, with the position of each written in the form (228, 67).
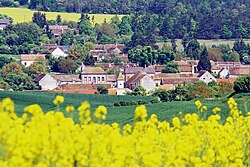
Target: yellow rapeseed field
(20, 15)
(53, 139)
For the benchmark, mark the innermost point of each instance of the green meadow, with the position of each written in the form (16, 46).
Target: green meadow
(122, 114)
(20, 15)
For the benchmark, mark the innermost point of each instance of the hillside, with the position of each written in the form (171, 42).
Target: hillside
(26, 15)
(123, 114)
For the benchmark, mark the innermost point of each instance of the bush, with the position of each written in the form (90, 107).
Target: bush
(242, 84)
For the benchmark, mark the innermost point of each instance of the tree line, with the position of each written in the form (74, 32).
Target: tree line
(204, 19)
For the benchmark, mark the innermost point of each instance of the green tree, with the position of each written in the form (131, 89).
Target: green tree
(89, 60)
(19, 82)
(242, 84)
(58, 19)
(204, 62)
(102, 90)
(200, 90)
(12, 67)
(4, 85)
(234, 57)
(39, 18)
(171, 67)
(5, 60)
(35, 69)
(125, 26)
(67, 66)
(215, 54)
(192, 49)
(85, 27)
(138, 91)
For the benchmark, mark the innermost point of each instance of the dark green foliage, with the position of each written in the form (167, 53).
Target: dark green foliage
(4, 85)
(192, 49)
(89, 60)
(40, 19)
(148, 56)
(5, 60)
(102, 90)
(138, 91)
(204, 62)
(242, 84)
(171, 67)
(67, 66)
(20, 82)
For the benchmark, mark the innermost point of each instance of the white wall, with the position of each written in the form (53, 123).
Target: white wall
(48, 82)
(148, 83)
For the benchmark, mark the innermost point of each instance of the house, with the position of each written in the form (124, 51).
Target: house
(206, 76)
(141, 78)
(4, 23)
(46, 82)
(28, 59)
(130, 71)
(58, 30)
(223, 73)
(63, 79)
(93, 75)
(188, 66)
(237, 71)
(58, 52)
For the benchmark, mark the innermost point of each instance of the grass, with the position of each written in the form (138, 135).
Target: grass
(123, 114)
(20, 15)
(15, 57)
(208, 43)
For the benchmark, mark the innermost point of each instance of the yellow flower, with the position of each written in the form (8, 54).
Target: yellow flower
(203, 108)
(69, 109)
(216, 110)
(101, 112)
(176, 122)
(58, 100)
(140, 113)
(198, 104)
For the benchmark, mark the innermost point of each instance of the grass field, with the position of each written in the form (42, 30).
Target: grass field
(20, 15)
(15, 57)
(123, 114)
(208, 43)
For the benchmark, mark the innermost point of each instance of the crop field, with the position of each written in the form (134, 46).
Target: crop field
(121, 114)
(36, 138)
(20, 15)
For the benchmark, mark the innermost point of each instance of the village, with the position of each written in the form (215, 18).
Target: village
(125, 76)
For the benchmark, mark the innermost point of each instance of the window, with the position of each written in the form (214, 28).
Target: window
(98, 79)
(94, 79)
(85, 78)
(89, 78)
(102, 78)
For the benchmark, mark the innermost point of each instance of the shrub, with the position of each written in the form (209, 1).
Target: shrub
(242, 84)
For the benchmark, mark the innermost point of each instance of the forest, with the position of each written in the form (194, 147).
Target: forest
(202, 19)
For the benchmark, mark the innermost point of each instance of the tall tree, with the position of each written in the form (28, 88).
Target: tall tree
(192, 50)
(204, 62)
(40, 19)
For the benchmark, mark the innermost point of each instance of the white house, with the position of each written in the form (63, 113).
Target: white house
(93, 75)
(206, 76)
(46, 82)
(58, 52)
(27, 60)
(224, 73)
(143, 79)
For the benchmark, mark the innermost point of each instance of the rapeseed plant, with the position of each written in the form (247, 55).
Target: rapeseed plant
(50, 138)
